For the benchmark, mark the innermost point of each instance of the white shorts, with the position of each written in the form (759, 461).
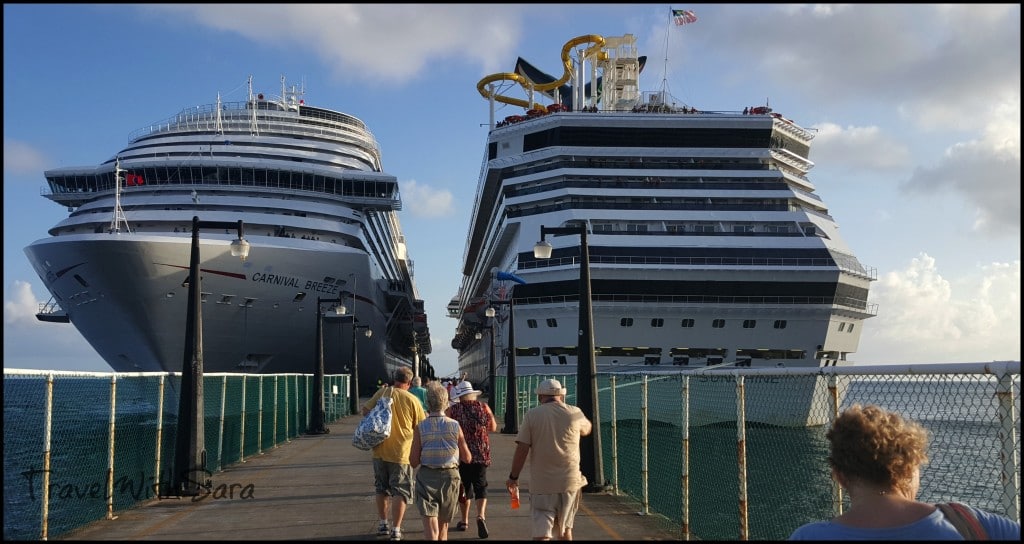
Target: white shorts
(553, 513)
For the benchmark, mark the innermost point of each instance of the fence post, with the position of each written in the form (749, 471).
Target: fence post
(615, 439)
(241, 430)
(644, 444)
(837, 490)
(259, 418)
(157, 472)
(685, 465)
(110, 446)
(741, 452)
(1007, 432)
(220, 432)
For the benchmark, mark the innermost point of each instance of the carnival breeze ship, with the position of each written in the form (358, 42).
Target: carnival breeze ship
(708, 245)
(319, 214)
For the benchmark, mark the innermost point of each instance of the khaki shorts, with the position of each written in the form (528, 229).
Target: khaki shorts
(552, 514)
(392, 479)
(437, 492)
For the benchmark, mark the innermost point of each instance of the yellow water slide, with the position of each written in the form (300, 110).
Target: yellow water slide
(528, 85)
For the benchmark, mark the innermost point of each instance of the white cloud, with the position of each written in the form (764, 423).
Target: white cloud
(21, 158)
(984, 171)
(376, 42)
(20, 306)
(39, 345)
(422, 200)
(923, 317)
(860, 147)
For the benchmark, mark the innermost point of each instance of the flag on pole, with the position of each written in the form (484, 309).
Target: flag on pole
(683, 16)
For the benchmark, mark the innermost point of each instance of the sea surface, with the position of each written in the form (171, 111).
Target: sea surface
(787, 483)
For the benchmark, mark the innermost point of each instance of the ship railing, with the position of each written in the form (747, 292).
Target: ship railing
(764, 429)
(860, 307)
(646, 260)
(237, 117)
(83, 412)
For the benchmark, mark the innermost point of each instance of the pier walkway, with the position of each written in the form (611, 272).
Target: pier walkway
(319, 487)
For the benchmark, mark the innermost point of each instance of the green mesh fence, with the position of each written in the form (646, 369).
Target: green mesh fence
(103, 460)
(673, 440)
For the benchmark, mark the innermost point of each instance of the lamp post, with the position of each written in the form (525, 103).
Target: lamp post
(190, 472)
(354, 399)
(586, 362)
(318, 424)
(511, 386)
(491, 371)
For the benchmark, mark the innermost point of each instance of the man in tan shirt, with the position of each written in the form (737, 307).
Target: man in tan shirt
(550, 436)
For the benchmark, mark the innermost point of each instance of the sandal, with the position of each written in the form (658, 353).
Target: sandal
(462, 526)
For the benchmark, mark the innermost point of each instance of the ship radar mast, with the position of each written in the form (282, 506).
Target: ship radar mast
(115, 222)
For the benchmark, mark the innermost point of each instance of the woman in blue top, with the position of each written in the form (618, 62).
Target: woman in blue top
(438, 445)
(876, 456)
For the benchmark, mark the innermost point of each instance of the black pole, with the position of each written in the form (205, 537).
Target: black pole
(591, 462)
(491, 371)
(190, 448)
(511, 387)
(317, 425)
(353, 396)
(190, 469)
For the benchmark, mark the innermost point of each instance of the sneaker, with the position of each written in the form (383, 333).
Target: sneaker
(382, 528)
(481, 528)
(396, 534)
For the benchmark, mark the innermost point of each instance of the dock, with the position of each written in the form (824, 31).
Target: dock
(320, 487)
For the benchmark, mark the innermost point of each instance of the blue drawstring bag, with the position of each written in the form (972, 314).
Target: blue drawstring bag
(376, 426)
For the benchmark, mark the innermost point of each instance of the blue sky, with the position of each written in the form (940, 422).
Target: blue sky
(917, 111)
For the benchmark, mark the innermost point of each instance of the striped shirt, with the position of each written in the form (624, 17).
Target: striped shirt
(439, 438)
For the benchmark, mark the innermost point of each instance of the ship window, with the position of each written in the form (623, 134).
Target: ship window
(657, 322)
(552, 322)
(547, 359)
(850, 328)
(718, 323)
(80, 280)
(636, 227)
(749, 323)
(626, 322)
(562, 360)
(687, 323)
(299, 297)
(531, 323)
(603, 227)
(681, 360)
(842, 327)
(743, 228)
(780, 324)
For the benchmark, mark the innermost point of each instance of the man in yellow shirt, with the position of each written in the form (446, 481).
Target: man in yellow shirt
(392, 473)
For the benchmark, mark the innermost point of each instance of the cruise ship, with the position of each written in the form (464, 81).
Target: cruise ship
(320, 216)
(708, 245)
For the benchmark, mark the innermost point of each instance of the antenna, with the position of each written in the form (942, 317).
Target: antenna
(115, 222)
(253, 129)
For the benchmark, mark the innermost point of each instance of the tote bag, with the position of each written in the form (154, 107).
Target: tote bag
(376, 426)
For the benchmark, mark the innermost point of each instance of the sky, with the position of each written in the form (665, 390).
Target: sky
(916, 110)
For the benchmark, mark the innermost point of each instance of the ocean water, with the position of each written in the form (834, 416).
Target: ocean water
(787, 484)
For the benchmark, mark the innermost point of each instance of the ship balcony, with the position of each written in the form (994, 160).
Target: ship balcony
(51, 312)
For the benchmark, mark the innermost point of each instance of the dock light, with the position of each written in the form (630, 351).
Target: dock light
(190, 469)
(591, 463)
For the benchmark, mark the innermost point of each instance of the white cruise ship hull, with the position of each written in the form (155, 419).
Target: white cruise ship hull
(127, 295)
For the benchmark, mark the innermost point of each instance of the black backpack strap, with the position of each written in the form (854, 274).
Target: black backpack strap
(963, 518)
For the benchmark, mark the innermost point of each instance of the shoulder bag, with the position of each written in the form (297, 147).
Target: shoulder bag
(376, 426)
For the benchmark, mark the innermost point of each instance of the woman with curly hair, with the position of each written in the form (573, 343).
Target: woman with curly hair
(876, 456)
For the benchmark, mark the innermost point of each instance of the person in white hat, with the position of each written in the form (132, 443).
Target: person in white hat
(476, 420)
(550, 436)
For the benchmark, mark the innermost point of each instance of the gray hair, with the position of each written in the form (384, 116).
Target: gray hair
(437, 397)
(417, 381)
